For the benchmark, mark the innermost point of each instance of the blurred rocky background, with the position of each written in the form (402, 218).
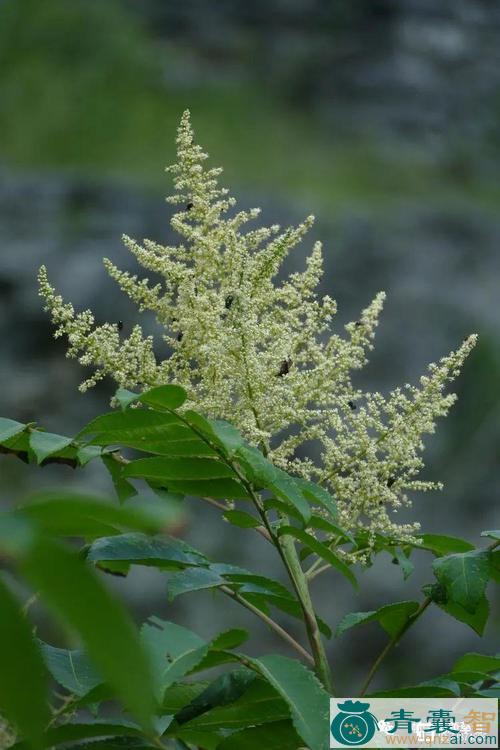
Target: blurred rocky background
(380, 116)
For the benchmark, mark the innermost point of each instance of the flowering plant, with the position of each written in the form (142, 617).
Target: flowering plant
(253, 377)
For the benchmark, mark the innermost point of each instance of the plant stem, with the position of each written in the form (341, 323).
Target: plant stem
(301, 586)
(393, 642)
(270, 622)
(285, 547)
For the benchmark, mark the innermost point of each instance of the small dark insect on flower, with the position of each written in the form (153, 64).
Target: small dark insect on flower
(120, 325)
(358, 324)
(284, 367)
(391, 481)
(352, 406)
(180, 336)
(189, 206)
(229, 301)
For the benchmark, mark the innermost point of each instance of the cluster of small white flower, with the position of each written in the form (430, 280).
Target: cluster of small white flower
(260, 353)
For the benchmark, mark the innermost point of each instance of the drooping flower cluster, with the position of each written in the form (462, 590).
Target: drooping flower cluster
(261, 354)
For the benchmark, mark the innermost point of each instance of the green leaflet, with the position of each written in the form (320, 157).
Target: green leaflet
(166, 469)
(88, 453)
(23, 677)
(45, 444)
(162, 551)
(219, 433)
(391, 617)
(229, 639)
(265, 475)
(222, 489)
(205, 712)
(133, 424)
(476, 620)
(177, 696)
(241, 519)
(464, 577)
(417, 691)
(124, 397)
(195, 579)
(124, 489)
(479, 662)
(318, 495)
(440, 544)
(105, 628)
(257, 706)
(87, 730)
(71, 668)
(173, 650)
(403, 561)
(258, 590)
(164, 397)
(9, 428)
(191, 476)
(279, 735)
(307, 700)
(72, 514)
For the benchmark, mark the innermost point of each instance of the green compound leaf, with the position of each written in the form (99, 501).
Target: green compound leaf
(104, 626)
(45, 444)
(306, 698)
(391, 617)
(23, 677)
(321, 549)
(71, 669)
(464, 577)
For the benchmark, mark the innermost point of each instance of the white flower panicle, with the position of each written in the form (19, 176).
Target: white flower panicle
(261, 353)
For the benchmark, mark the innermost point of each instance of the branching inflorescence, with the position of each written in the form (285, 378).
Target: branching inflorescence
(260, 352)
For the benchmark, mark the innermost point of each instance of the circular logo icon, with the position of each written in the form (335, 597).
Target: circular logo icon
(354, 724)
